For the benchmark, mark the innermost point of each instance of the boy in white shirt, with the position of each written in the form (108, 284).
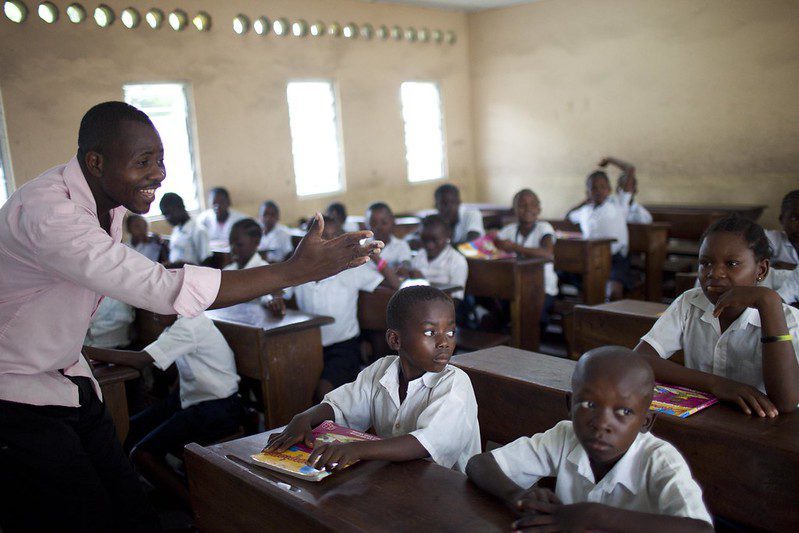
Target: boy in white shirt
(626, 189)
(110, 325)
(148, 244)
(189, 241)
(466, 224)
(276, 240)
(600, 218)
(380, 219)
(416, 402)
(205, 407)
(219, 219)
(785, 243)
(437, 261)
(338, 211)
(612, 474)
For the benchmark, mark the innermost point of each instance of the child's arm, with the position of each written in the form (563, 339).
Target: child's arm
(545, 251)
(390, 277)
(335, 456)
(628, 185)
(300, 429)
(596, 516)
(484, 472)
(136, 359)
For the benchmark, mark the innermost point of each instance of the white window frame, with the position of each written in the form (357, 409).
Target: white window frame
(444, 151)
(5, 155)
(191, 129)
(342, 178)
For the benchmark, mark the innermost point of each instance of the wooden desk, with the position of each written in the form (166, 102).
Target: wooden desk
(112, 380)
(748, 467)
(232, 496)
(690, 221)
(521, 282)
(589, 257)
(651, 240)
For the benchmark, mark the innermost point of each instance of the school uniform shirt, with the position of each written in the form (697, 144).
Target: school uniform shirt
(206, 365)
(449, 267)
(439, 409)
(651, 477)
(635, 213)
(215, 230)
(150, 249)
(782, 249)
(255, 261)
(533, 240)
(55, 263)
(606, 221)
(737, 354)
(396, 252)
(276, 244)
(110, 326)
(785, 282)
(468, 220)
(351, 224)
(337, 296)
(189, 243)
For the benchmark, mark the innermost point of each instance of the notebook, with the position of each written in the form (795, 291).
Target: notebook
(680, 401)
(483, 248)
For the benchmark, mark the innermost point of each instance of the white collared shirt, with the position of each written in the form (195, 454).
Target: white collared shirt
(450, 267)
(785, 282)
(606, 221)
(215, 230)
(782, 250)
(651, 477)
(396, 252)
(189, 243)
(533, 240)
(688, 324)
(439, 409)
(635, 213)
(337, 296)
(205, 362)
(276, 244)
(110, 326)
(255, 261)
(150, 249)
(468, 220)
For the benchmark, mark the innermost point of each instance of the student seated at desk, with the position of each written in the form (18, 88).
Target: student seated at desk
(148, 244)
(437, 261)
(465, 224)
(219, 219)
(338, 211)
(600, 218)
(110, 325)
(189, 241)
(785, 243)
(380, 219)
(204, 408)
(337, 296)
(416, 402)
(612, 473)
(626, 189)
(740, 341)
(529, 237)
(276, 241)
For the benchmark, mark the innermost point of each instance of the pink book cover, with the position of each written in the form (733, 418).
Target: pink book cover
(680, 401)
(292, 461)
(483, 248)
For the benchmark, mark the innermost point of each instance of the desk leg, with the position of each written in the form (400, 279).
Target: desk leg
(117, 403)
(655, 259)
(290, 369)
(526, 308)
(597, 274)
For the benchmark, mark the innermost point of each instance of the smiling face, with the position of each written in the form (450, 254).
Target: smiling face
(447, 205)
(242, 246)
(426, 340)
(435, 237)
(527, 209)
(132, 167)
(598, 189)
(381, 222)
(726, 261)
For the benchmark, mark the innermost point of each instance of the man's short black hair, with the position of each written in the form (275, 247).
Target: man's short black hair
(249, 226)
(446, 189)
(402, 305)
(219, 190)
(101, 125)
(171, 199)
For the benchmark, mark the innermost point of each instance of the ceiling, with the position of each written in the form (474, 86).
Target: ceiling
(460, 5)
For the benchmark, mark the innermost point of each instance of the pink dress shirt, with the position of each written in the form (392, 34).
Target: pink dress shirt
(56, 263)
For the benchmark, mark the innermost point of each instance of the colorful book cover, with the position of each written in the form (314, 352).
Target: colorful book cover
(483, 248)
(292, 461)
(679, 401)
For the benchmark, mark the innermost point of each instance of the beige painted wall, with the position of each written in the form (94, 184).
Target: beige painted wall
(50, 75)
(700, 94)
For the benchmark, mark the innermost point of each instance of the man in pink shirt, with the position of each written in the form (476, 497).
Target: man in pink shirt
(61, 465)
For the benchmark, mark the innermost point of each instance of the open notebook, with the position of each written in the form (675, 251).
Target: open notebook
(680, 401)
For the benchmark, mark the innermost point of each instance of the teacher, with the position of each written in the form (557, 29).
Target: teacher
(61, 465)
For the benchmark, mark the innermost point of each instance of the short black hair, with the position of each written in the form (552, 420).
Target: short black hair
(171, 199)
(518, 195)
(338, 209)
(752, 233)
(270, 203)
(403, 303)
(101, 125)
(597, 174)
(249, 226)
(446, 188)
(789, 200)
(131, 218)
(436, 220)
(219, 190)
(380, 205)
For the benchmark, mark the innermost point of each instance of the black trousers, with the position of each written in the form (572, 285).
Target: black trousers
(63, 469)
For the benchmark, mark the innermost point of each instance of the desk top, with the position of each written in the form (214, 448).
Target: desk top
(630, 307)
(106, 373)
(704, 208)
(254, 315)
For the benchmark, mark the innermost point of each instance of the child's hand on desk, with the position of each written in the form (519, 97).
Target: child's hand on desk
(574, 517)
(276, 306)
(298, 430)
(535, 499)
(504, 244)
(748, 398)
(333, 456)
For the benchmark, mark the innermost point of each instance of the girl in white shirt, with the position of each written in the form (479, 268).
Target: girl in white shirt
(276, 241)
(739, 339)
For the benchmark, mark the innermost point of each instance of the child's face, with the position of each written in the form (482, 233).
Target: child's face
(173, 214)
(790, 223)
(242, 246)
(434, 239)
(381, 222)
(608, 411)
(269, 218)
(332, 229)
(447, 205)
(427, 339)
(137, 227)
(527, 209)
(725, 261)
(220, 204)
(598, 190)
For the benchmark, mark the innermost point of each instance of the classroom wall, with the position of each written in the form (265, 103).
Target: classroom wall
(51, 74)
(700, 94)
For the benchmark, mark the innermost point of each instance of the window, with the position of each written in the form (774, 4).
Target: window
(424, 136)
(314, 137)
(167, 106)
(5, 166)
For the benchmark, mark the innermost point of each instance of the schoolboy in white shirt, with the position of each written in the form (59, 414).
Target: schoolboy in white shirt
(466, 224)
(785, 243)
(437, 261)
(612, 474)
(626, 189)
(189, 241)
(380, 219)
(219, 219)
(416, 402)
(276, 240)
(110, 325)
(148, 244)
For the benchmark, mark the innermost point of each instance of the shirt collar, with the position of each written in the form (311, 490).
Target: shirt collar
(80, 193)
(749, 316)
(390, 379)
(627, 472)
(255, 261)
